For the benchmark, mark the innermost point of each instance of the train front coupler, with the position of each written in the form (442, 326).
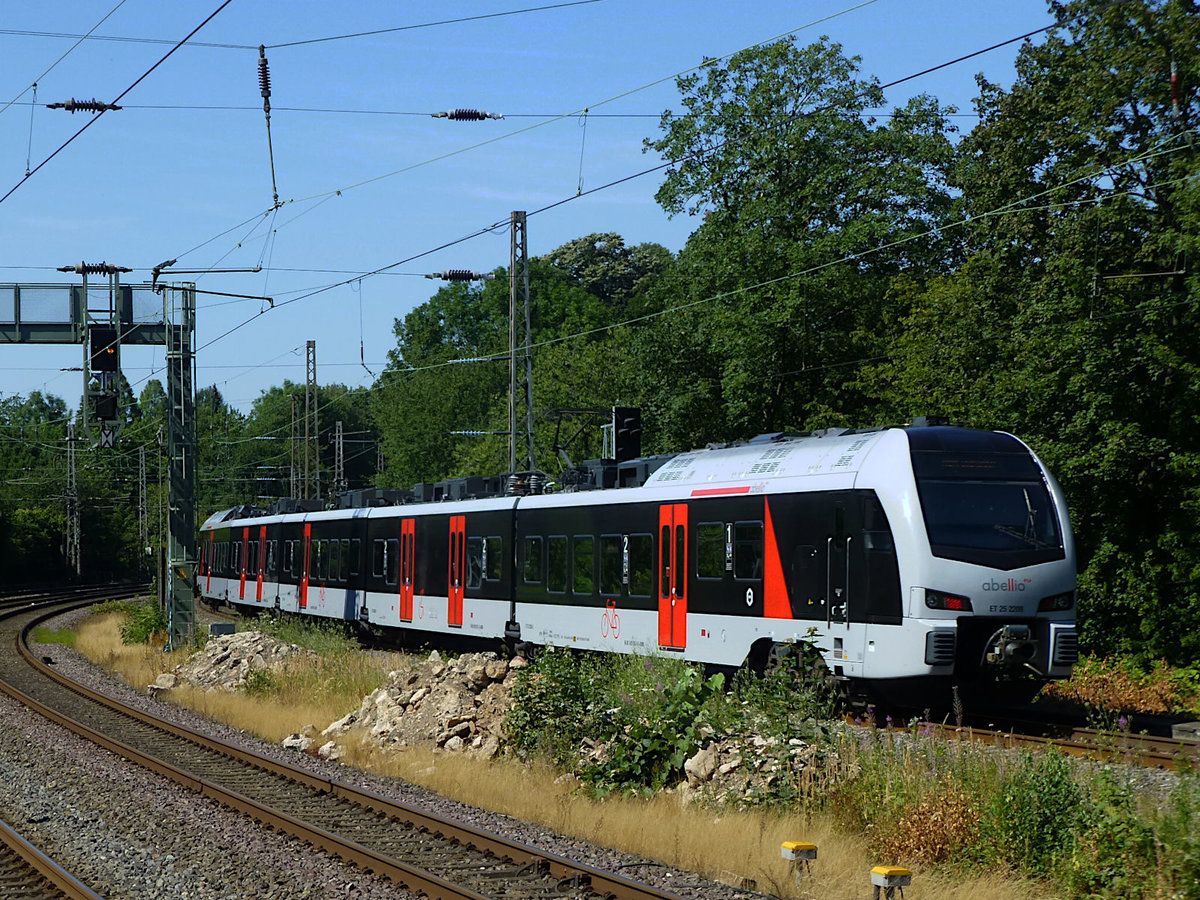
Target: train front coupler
(1011, 651)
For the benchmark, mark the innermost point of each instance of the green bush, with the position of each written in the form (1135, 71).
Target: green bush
(1177, 834)
(146, 619)
(1114, 852)
(656, 736)
(1030, 821)
(555, 705)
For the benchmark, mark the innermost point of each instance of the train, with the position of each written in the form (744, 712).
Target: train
(911, 559)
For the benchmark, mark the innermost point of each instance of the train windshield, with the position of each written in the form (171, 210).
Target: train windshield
(985, 501)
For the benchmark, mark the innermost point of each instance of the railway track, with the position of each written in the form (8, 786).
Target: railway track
(26, 873)
(1142, 750)
(422, 852)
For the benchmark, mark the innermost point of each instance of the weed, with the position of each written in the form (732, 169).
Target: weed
(146, 619)
(64, 636)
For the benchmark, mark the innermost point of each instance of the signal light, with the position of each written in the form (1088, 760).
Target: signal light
(942, 600)
(104, 355)
(627, 428)
(106, 407)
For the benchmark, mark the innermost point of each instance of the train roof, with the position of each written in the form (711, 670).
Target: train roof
(835, 456)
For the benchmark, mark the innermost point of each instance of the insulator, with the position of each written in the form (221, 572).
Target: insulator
(92, 106)
(460, 275)
(264, 74)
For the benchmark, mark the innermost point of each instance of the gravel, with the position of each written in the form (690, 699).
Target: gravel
(129, 833)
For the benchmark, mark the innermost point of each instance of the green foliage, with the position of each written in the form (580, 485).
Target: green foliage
(1029, 822)
(64, 636)
(324, 638)
(146, 620)
(1178, 838)
(1113, 854)
(261, 683)
(555, 706)
(650, 745)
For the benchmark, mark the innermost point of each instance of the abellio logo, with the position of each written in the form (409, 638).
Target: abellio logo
(1011, 586)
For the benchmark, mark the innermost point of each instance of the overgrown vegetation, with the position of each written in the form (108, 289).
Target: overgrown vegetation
(626, 725)
(1112, 686)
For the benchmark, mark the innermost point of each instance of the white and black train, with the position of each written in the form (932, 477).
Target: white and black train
(913, 558)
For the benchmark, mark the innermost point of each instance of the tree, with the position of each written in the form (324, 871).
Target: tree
(807, 203)
(1073, 323)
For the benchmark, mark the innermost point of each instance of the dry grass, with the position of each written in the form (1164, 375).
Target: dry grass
(99, 639)
(1112, 684)
(729, 846)
(734, 847)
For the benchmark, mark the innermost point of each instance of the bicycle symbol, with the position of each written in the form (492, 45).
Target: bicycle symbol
(610, 620)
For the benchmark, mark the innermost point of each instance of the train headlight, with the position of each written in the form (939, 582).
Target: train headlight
(1057, 602)
(942, 600)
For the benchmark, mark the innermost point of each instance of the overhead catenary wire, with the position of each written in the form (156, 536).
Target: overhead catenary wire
(92, 121)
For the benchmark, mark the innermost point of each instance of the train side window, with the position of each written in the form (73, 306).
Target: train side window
(392, 560)
(583, 564)
(378, 558)
(289, 553)
(641, 565)
(493, 558)
(474, 562)
(335, 560)
(532, 554)
(352, 550)
(271, 561)
(612, 564)
(710, 550)
(665, 574)
(556, 563)
(748, 550)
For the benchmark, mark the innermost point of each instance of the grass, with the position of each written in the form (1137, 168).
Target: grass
(736, 847)
(64, 636)
(970, 824)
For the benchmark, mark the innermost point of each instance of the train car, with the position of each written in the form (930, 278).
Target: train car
(912, 558)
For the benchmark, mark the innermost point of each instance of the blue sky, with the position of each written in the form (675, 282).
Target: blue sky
(182, 170)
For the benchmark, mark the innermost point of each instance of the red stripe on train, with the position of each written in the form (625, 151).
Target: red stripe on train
(712, 492)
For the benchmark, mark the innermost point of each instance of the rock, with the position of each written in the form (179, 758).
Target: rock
(517, 662)
(420, 695)
(700, 768)
(454, 745)
(495, 669)
(296, 742)
(341, 726)
(330, 751)
(167, 681)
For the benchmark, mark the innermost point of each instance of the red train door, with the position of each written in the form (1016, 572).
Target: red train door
(408, 540)
(207, 563)
(672, 580)
(307, 561)
(243, 561)
(458, 560)
(262, 559)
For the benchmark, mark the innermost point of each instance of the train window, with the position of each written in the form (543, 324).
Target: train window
(556, 563)
(378, 559)
(665, 573)
(612, 564)
(583, 564)
(352, 551)
(335, 560)
(297, 559)
(640, 564)
(474, 562)
(392, 556)
(680, 575)
(289, 552)
(270, 566)
(748, 550)
(493, 558)
(532, 552)
(710, 549)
